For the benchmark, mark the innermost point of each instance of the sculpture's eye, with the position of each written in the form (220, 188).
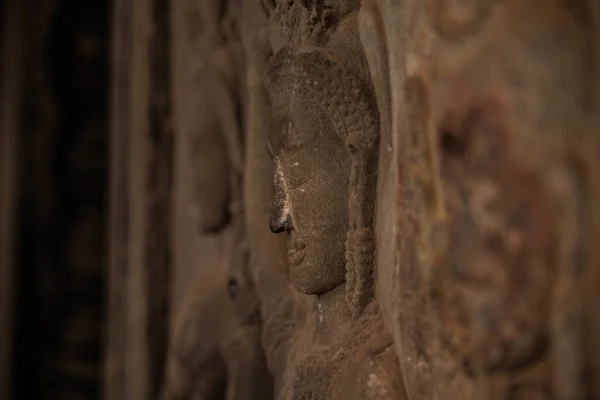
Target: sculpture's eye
(294, 172)
(297, 181)
(232, 287)
(294, 136)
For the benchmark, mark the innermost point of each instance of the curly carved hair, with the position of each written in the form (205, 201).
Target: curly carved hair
(336, 79)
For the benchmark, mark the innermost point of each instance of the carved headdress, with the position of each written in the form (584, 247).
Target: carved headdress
(335, 79)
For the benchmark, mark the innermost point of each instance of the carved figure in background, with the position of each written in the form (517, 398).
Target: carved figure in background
(496, 171)
(216, 350)
(214, 138)
(215, 135)
(513, 219)
(215, 353)
(325, 147)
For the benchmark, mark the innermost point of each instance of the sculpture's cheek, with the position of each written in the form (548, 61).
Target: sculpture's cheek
(315, 179)
(316, 243)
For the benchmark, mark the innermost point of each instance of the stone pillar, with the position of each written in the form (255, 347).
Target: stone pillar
(9, 116)
(140, 195)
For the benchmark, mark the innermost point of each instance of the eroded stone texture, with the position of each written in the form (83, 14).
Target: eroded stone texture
(325, 133)
(496, 147)
(463, 151)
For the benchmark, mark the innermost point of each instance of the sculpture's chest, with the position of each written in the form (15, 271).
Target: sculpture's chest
(351, 367)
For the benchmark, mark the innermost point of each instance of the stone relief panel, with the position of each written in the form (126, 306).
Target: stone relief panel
(432, 192)
(491, 242)
(324, 143)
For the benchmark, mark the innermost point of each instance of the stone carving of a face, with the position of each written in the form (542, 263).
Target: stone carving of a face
(311, 180)
(323, 136)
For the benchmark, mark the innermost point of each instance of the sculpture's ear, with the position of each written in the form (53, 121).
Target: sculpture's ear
(372, 36)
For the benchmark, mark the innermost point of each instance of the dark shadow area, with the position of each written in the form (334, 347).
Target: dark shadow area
(62, 218)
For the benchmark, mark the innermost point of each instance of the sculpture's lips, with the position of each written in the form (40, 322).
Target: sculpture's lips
(295, 257)
(296, 251)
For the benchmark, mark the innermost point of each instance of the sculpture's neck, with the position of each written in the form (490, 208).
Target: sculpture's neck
(332, 312)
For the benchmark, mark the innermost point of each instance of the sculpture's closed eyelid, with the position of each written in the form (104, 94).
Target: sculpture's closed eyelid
(294, 176)
(294, 136)
(295, 183)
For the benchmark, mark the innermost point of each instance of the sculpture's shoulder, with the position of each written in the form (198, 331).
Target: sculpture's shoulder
(377, 374)
(381, 377)
(358, 362)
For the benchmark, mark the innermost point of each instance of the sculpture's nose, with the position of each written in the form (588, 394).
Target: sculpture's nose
(281, 220)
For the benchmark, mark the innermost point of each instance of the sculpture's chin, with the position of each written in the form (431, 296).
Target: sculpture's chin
(310, 278)
(306, 287)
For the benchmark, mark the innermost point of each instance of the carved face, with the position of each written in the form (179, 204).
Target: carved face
(311, 203)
